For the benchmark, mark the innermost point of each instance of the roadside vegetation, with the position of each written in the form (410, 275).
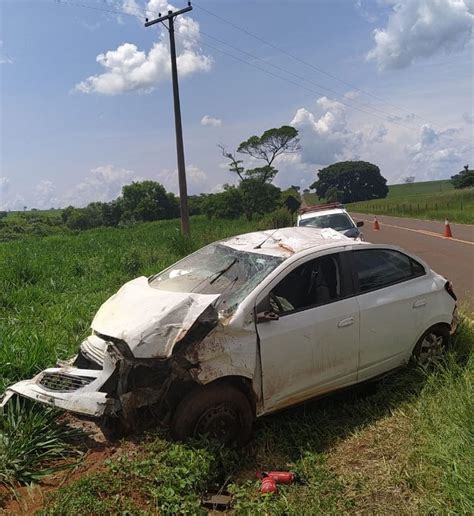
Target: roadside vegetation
(431, 200)
(406, 445)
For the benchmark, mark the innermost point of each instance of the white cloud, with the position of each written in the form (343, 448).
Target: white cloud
(8, 200)
(324, 134)
(44, 196)
(366, 13)
(437, 154)
(4, 59)
(377, 133)
(128, 69)
(421, 28)
(468, 118)
(207, 120)
(4, 185)
(196, 179)
(104, 183)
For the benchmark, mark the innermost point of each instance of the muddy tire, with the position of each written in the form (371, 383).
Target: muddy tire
(219, 411)
(431, 346)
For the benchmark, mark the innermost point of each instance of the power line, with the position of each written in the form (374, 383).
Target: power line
(306, 63)
(144, 11)
(351, 106)
(298, 84)
(300, 77)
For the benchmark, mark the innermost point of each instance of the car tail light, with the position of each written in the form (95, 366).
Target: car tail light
(449, 289)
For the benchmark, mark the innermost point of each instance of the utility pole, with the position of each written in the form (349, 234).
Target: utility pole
(183, 192)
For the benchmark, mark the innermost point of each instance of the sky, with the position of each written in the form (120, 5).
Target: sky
(86, 100)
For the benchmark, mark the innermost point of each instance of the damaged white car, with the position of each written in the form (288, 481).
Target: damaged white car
(247, 326)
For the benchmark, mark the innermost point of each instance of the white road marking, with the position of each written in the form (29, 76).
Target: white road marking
(422, 231)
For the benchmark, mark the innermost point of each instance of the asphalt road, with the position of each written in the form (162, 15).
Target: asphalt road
(451, 257)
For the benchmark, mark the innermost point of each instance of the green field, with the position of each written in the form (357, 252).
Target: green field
(404, 446)
(431, 200)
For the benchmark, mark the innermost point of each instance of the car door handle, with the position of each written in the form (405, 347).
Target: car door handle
(419, 303)
(345, 322)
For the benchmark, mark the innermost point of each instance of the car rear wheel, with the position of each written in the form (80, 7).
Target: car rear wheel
(431, 346)
(218, 410)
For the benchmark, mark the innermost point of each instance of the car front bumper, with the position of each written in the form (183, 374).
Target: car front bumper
(69, 388)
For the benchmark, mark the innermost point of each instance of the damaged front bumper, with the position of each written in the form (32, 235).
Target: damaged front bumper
(70, 388)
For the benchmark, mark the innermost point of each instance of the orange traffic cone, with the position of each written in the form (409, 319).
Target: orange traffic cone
(447, 229)
(376, 224)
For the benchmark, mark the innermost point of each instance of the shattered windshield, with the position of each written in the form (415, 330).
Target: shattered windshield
(217, 269)
(336, 221)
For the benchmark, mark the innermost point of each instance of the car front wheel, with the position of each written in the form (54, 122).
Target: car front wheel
(219, 410)
(431, 346)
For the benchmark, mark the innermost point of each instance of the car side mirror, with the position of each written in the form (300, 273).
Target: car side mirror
(359, 223)
(267, 316)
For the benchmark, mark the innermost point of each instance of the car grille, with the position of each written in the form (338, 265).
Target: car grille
(64, 382)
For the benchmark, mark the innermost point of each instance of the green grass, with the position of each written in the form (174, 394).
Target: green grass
(404, 446)
(407, 446)
(31, 437)
(431, 200)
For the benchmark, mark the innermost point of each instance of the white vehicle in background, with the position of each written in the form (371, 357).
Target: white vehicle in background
(330, 215)
(247, 326)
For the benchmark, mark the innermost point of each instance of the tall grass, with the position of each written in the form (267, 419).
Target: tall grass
(444, 429)
(30, 440)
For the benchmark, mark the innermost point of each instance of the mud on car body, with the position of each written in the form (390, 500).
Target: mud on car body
(247, 326)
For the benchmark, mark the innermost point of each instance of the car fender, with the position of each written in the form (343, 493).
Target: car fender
(224, 352)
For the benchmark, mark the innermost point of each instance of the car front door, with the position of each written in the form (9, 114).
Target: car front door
(312, 347)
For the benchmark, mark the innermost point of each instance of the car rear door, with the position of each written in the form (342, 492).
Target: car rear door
(313, 346)
(393, 297)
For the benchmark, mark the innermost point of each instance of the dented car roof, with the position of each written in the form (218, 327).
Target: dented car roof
(286, 241)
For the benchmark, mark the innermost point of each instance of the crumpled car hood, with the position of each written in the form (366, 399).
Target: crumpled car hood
(149, 320)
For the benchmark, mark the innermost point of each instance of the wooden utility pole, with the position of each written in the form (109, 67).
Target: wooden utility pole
(183, 191)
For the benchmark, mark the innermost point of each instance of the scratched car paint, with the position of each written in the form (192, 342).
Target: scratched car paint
(279, 316)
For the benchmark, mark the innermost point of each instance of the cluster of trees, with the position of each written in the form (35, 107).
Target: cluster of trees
(463, 179)
(140, 201)
(350, 181)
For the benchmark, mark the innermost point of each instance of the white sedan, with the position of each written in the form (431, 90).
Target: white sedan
(248, 326)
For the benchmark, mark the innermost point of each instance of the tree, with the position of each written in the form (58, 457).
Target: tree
(258, 197)
(463, 179)
(273, 143)
(235, 164)
(148, 200)
(268, 147)
(224, 205)
(409, 179)
(353, 180)
(295, 187)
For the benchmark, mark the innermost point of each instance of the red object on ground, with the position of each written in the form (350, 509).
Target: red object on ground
(376, 224)
(268, 485)
(447, 229)
(280, 477)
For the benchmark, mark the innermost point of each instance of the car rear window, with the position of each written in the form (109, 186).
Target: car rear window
(336, 221)
(378, 268)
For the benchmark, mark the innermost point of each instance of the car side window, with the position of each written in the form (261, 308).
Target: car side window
(378, 268)
(316, 282)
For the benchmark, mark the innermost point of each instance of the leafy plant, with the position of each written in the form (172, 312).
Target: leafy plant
(30, 438)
